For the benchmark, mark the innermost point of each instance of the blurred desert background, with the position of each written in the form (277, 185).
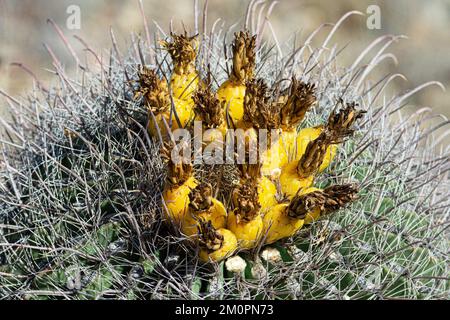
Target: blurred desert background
(424, 56)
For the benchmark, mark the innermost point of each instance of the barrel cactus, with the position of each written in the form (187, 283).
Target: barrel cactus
(82, 180)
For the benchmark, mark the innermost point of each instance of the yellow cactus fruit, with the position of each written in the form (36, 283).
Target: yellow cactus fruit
(307, 135)
(279, 225)
(252, 183)
(290, 182)
(338, 126)
(184, 80)
(215, 244)
(245, 221)
(267, 193)
(232, 91)
(264, 117)
(157, 99)
(316, 150)
(202, 206)
(177, 199)
(184, 86)
(179, 183)
(184, 114)
(284, 220)
(298, 175)
(274, 158)
(248, 232)
(294, 105)
(287, 146)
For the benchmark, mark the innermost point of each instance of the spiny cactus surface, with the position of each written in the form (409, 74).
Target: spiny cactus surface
(81, 182)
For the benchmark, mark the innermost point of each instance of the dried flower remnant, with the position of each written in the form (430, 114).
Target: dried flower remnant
(284, 220)
(185, 77)
(179, 182)
(164, 111)
(232, 91)
(203, 206)
(215, 244)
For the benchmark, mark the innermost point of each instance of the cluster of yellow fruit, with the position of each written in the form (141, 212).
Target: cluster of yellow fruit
(273, 198)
